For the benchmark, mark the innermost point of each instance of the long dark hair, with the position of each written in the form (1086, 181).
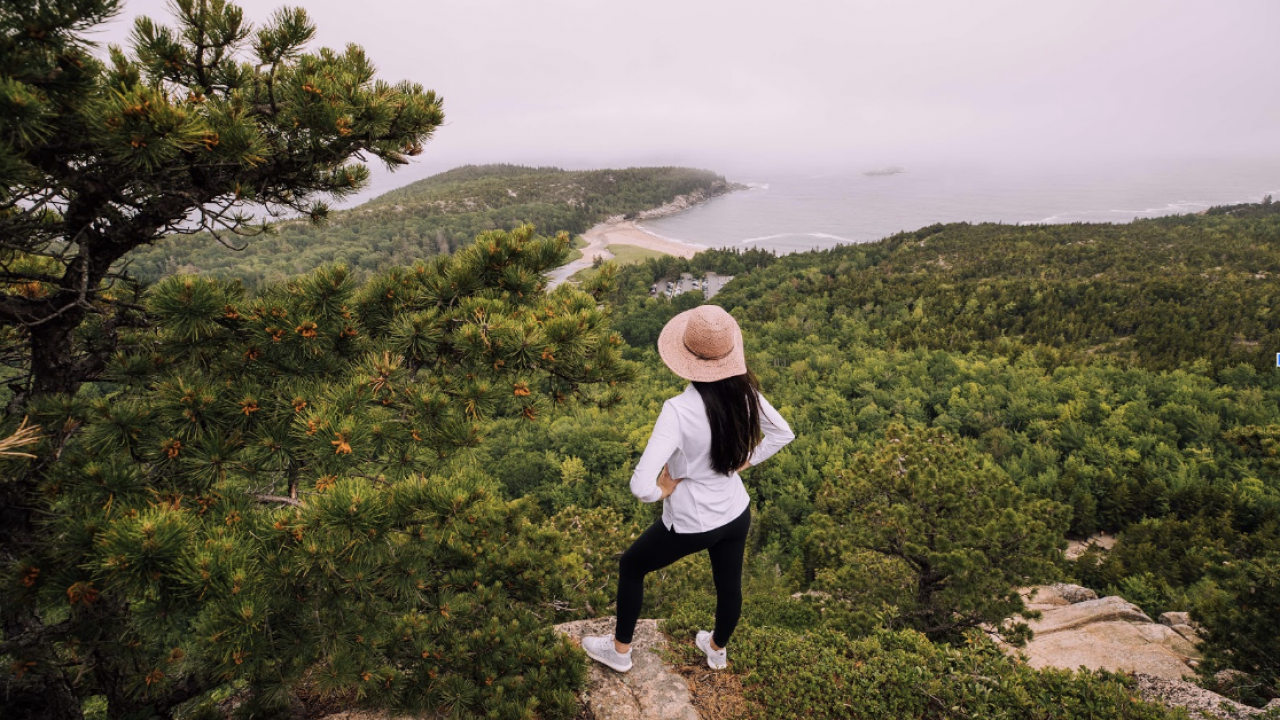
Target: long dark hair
(733, 408)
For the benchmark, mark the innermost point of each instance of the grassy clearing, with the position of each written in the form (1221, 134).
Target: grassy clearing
(622, 255)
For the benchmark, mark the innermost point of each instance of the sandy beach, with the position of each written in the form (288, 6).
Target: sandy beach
(616, 231)
(619, 232)
(626, 232)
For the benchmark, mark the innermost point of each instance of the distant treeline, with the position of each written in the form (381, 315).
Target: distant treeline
(1268, 206)
(429, 217)
(1158, 294)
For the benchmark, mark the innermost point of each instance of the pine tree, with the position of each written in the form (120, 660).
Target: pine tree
(928, 534)
(1242, 623)
(192, 130)
(275, 497)
(189, 132)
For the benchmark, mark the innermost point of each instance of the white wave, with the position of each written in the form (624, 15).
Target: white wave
(678, 241)
(1255, 199)
(1173, 208)
(825, 236)
(762, 238)
(1181, 206)
(829, 236)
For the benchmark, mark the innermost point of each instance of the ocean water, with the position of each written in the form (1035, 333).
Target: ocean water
(791, 213)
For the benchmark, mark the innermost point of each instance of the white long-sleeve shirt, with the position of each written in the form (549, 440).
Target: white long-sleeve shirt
(681, 440)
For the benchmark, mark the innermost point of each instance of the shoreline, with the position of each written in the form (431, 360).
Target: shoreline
(620, 230)
(628, 232)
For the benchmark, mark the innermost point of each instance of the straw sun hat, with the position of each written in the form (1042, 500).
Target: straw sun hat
(703, 344)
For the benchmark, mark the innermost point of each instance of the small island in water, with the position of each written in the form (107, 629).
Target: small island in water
(891, 170)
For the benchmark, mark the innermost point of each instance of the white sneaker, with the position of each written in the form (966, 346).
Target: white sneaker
(600, 648)
(716, 659)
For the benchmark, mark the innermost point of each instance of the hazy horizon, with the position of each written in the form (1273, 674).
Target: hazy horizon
(755, 88)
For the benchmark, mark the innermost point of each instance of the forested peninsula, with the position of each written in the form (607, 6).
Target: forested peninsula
(433, 216)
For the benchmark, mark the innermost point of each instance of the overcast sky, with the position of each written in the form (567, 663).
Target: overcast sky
(749, 87)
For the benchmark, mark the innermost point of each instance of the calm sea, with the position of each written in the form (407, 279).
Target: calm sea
(802, 212)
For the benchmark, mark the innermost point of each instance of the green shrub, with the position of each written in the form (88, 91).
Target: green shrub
(1242, 623)
(897, 674)
(928, 531)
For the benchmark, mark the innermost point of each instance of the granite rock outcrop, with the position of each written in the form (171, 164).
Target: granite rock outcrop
(650, 689)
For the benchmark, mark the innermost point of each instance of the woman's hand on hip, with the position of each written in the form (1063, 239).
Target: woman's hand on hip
(667, 483)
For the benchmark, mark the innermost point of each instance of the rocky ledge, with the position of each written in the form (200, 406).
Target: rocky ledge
(651, 689)
(681, 203)
(1077, 628)
(1198, 701)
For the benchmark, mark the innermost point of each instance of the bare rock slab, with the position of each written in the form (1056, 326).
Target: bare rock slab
(650, 689)
(1198, 701)
(1107, 633)
(1174, 619)
(1042, 597)
(1182, 624)
(1117, 646)
(1103, 542)
(1069, 617)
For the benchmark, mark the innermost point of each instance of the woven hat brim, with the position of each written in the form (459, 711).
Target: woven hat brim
(689, 366)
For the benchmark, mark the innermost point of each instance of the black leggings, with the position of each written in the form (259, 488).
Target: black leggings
(658, 547)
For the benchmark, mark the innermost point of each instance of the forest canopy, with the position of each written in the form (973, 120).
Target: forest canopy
(1125, 373)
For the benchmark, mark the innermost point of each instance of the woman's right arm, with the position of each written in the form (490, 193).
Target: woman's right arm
(662, 443)
(777, 433)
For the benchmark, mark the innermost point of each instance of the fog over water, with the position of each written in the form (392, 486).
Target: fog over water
(753, 89)
(787, 212)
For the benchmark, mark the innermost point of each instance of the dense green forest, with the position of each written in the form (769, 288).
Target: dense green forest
(415, 438)
(429, 217)
(1157, 294)
(1124, 374)
(371, 463)
(929, 392)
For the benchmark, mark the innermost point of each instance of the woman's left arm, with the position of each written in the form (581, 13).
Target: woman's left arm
(777, 433)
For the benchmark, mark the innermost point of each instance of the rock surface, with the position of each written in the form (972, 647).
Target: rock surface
(1182, 624)
(649, 690)
(1044, 597)
(1197, 700)
(1077, 628)
(1107, 633)
(1102, 541)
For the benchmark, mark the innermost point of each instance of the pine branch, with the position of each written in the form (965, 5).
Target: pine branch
(38, 636)
(277, 499)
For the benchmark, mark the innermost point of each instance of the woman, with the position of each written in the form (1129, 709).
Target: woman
(719, 426)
